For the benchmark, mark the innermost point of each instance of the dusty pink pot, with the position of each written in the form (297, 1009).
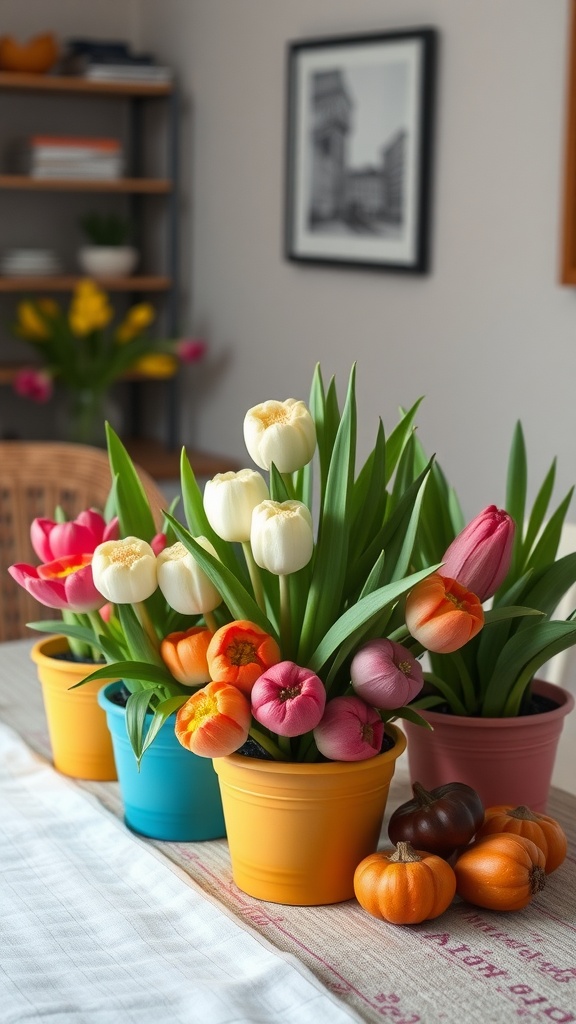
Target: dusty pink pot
(506, 760)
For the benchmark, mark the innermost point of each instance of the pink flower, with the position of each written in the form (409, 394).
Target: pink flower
(79, 536)
(64, 583)
(34, 384)
(479, 557)
(350, 730)
(288, 700)
(158, 542)
(386, 674)
(190, 350)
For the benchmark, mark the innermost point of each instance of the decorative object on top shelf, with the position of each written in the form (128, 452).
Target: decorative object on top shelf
(109, 253)
(36, 56)
(83, 354)
(484, 700)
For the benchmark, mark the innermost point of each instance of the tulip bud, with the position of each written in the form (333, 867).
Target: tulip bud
(386, 674)
(229, 500)
(288, 700)
(442, 615)
(479, 557)
(350, 730)
(281, 537)
(184, 584)
(214, 721)
(184, 654)
(282, 433)
(124, 571)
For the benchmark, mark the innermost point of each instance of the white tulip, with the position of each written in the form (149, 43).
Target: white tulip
(281, 538)
(124, 571)
(184, 584)
(229, 499)
(282, 433)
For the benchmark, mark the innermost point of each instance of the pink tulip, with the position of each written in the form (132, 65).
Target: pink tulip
(479, 557)
(288, 700)
(64, 583)
(190, 350)
(79, 536)
(386, 674)
(158, 542)
(350, 730)
(34, 384)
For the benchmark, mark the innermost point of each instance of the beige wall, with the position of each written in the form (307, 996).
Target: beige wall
(489, 336)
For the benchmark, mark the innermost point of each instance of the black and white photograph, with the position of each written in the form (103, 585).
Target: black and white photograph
(359, 150)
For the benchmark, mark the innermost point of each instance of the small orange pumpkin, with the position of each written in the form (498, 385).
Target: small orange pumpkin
(500, 872)
(546, 832)
(404, 885)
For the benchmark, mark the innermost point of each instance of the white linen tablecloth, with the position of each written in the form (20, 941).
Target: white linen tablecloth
(95, 929)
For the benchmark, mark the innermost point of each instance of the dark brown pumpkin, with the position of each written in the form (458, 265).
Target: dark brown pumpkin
(440, 820)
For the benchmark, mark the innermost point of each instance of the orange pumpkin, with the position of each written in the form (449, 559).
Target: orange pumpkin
(500, 872)
(546, 832)
(34, 57)
(403, 885)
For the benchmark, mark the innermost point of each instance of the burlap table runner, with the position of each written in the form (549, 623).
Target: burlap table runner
(468, 965)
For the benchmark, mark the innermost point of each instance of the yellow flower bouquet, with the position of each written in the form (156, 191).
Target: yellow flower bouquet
(81, 350)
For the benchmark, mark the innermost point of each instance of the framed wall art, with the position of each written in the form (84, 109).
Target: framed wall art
(359, 150)
(568, 253)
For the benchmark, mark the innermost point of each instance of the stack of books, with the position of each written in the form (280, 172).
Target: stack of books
(110, 61)
(29, 262)
(67, 156)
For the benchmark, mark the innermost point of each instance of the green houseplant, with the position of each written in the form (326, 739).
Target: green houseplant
(108, 252)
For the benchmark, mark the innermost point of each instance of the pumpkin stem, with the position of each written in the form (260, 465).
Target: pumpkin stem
(405, 853)
(537, 880)
(524, 813)
(422, 795)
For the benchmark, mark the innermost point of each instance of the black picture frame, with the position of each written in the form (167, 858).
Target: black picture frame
(359, 150)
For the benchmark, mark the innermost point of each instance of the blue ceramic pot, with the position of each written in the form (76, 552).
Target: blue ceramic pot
(175, 795)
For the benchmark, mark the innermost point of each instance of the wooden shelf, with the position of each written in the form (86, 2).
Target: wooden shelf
(67, 282)
(164, 464)
(76, 84)
(9, 370)
(24, 183)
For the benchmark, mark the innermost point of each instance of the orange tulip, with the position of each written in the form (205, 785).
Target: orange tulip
(215, 720)
(240, 652)
(442, 615)
(184, 654)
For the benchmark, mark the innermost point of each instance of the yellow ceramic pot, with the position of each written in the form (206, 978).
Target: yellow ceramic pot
(79, 736)
(297, 832)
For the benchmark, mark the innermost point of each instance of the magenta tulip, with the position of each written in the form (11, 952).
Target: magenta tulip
(288, 700)
(479, 557)
(386, 674)
(80, 536)
(63, 583)
(37, 385)
(350, 730)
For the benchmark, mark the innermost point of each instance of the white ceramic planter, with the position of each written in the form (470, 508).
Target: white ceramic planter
(107, 260)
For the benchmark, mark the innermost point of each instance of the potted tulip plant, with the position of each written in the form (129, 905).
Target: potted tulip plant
(495, 724)
(170, 795)
(293, 641)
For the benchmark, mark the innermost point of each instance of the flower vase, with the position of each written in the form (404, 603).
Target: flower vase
(85, 417)
(79, 736)
(297, 832)
(506, 760)
(174, 795)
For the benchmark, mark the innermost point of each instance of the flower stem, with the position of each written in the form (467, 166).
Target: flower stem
(285, 625)
(268, 744)
(254, 576)
(146, 623)
(210, 621)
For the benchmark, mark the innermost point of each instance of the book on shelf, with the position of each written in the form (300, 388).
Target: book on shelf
(129, 72)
